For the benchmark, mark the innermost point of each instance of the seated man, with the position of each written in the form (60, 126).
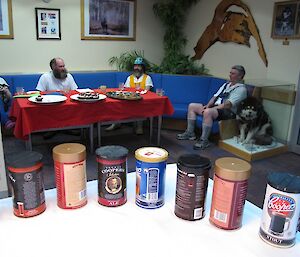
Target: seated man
(5, 103)
(221, 106)
(57, 79)
(138, 80)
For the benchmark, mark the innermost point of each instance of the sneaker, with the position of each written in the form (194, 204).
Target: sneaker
(201, 144)
(139, 130)
(9, 124)
(186, 136)
(113, 127)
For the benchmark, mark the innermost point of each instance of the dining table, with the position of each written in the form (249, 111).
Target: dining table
(32, 116)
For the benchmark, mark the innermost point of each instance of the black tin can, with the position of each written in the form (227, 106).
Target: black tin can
(112, 170)
(191, 186)
(26, 182)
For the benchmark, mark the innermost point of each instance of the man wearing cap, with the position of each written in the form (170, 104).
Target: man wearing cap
(222, 106)
(140, 81)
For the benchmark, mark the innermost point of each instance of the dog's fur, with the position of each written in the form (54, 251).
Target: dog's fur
(254, 123)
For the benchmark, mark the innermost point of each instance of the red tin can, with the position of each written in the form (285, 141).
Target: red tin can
(26, 182)
(70, 175)
(229, 192)
(112, 171)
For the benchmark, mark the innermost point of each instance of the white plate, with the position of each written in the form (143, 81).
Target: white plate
(48, 99)
(75, 97)
(84, 90)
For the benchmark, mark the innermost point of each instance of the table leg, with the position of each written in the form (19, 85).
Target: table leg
(158, 129)
(99, 133)
(91, 127)
(151, 128)
(28, 143)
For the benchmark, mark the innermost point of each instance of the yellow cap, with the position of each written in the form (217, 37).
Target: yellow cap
(233, 169)
(151, 154)
(69, 153)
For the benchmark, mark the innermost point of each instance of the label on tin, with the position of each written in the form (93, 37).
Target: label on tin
(280, 217)
(27, 192)
(190, 195)
(228, 203)
(150, 183)
(71, 184)
(112, 182)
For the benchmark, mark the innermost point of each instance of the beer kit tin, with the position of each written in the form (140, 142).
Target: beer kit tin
(27, 185)
(191, 186)
(70, 175)
(150, 177)
(112, 171)
(281, 210)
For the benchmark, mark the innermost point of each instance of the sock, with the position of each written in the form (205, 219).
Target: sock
(205, 132)
(190, 126)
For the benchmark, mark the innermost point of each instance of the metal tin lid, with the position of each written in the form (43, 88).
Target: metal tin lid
(24, 159)
(232, 169)
(194, 161)
(112, 152)
(69, 153)
(284, 182)
(151, 154)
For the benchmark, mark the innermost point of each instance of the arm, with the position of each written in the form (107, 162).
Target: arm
(72, 82)
(41, 85)
(149, 83)
(127, 83)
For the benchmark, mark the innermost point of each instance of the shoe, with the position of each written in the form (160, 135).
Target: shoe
(186, 136)
(201, 144)
(49, 134)
(113, 127)
(10, 124)
(139, 130)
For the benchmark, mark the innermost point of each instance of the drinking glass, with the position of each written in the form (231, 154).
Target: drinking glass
(20, 90)
(121, 86)
(160, 92)
(103, 89)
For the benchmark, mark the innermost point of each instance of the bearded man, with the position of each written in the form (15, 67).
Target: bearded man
(58, 79)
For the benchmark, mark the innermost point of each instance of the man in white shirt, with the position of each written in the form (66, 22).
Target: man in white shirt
(138, 80)
(58, 79)
(222, 106)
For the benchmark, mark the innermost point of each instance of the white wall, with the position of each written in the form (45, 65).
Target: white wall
(284, 61)
(26, 54)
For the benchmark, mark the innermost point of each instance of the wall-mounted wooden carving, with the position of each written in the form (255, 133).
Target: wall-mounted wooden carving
(228, 26)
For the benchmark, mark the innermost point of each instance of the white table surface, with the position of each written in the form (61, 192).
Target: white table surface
(129, 230)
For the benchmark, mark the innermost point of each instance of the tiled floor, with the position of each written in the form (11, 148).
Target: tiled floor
(287, 162)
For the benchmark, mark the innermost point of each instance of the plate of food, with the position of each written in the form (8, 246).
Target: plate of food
(88, 97)
(123, 95)
(47, 99)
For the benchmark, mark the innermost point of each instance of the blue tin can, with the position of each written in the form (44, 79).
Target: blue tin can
(150, 177)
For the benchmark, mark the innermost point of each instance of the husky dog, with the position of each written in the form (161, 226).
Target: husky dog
(254, 123)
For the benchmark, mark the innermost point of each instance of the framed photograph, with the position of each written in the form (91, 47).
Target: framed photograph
(6, 24)
(286, 20)
(47, 23)
(108, 19)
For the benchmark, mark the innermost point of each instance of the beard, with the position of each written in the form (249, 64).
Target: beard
(60, 74)
(137, 73)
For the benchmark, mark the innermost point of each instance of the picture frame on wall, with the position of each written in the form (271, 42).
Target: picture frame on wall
(6, 23)
(286, 18)
(48, 23)
(108, 20)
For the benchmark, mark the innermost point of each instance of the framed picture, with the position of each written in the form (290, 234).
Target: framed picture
(286, 20)
(108, 19)
(47, 23)
(6, 25)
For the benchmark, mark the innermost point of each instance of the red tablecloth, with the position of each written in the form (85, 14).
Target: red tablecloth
(31, 117)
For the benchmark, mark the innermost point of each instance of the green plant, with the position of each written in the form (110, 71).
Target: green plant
(172, 13)
(125, 61)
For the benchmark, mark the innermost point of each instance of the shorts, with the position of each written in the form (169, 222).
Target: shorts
(225, 114)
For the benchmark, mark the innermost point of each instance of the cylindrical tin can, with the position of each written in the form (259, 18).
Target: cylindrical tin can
(26, 181)
(70, 175)
(281, 210)
(191, 186)
(112, 170)
(150, 177)
(229, 192)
